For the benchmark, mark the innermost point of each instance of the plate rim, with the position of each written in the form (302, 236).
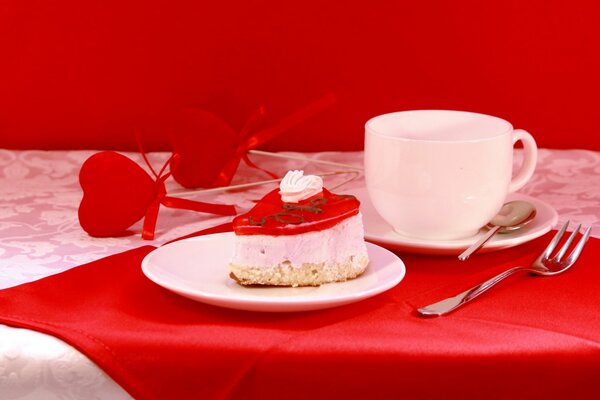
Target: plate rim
(275, 304)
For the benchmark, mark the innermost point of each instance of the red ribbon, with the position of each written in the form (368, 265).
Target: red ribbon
(151, 217)
(250, 141)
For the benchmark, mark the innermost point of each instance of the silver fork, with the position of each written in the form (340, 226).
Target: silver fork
(544, 265)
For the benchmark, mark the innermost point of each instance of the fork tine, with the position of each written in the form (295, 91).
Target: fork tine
(554, 242)
(579, 246)
(567, 244)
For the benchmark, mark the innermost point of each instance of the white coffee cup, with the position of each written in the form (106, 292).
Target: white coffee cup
(441, 174)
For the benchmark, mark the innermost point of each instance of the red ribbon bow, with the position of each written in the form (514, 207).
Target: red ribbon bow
(210, 150)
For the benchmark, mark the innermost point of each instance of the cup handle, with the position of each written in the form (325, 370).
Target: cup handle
(529, 159)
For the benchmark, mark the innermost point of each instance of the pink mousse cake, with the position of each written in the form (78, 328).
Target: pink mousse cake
(299, 235)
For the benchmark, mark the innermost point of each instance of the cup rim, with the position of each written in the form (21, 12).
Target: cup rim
(369, 129)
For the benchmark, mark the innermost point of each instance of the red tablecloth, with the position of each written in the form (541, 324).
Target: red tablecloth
(531, 337)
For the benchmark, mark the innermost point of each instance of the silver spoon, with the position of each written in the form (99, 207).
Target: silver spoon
(512, 216)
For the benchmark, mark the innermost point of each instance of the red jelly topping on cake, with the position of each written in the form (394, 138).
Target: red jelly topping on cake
(271, 216)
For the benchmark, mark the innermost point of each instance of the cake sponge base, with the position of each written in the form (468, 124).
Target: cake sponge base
(307, 274)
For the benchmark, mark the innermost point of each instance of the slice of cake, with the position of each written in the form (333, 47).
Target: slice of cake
(299, 235)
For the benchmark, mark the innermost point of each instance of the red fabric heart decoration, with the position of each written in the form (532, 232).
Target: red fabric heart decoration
(116, 194)
(209, 150)
(205, 143)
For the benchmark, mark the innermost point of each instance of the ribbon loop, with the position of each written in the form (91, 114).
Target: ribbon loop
(250, 141)
(151, 216)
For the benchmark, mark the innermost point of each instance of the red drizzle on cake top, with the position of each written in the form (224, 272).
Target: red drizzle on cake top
(271, 216)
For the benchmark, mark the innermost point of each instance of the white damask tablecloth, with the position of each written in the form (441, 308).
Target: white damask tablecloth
(40, 236)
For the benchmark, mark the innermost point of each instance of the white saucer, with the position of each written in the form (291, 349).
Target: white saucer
(380, 232)
(197, 268)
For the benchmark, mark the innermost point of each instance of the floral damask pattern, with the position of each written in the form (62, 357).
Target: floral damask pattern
(569, 180)
(41, 236)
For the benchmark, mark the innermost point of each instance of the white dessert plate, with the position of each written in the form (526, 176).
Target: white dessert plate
(380, 232)
(197, 268)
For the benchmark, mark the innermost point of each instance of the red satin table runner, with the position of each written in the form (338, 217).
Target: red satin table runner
(530, 337)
